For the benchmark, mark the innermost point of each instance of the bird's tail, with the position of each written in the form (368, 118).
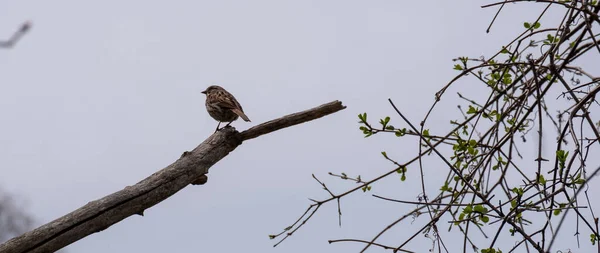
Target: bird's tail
(241, 114)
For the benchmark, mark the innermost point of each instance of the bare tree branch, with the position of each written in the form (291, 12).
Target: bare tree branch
(190, 168)
(292, 119)
(16, 36)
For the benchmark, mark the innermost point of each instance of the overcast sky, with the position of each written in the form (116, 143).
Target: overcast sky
(101, 94)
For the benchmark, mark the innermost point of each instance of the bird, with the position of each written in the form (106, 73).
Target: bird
(222, 106)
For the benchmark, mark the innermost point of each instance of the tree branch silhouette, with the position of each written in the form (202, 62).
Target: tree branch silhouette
(479, 152)
(12, 41)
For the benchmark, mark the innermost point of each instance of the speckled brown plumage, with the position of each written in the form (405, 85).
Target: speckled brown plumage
(222, 106)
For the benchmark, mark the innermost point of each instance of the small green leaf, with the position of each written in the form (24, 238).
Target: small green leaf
(541, 180)
(445, 188)
(366, 188)
(384, 154)
(485, 219)
(480, 209)
(401, 132)
(518, 191)
(511, 121)
(527, 25)
(472, 110)
(363, 117)
(561, 156)
(426, 133)
(491, 250)
(557, 212)
(458, 67)
(473, 143)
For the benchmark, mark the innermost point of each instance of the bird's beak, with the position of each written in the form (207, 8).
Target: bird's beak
(204, 92)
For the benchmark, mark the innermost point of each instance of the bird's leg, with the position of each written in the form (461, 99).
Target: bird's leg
(228, 124)
(218, 127)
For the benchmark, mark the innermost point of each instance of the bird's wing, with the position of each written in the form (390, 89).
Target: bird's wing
(241, 114)
(227, 104)
(231, 103)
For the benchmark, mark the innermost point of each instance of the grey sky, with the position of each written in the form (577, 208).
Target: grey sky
(101, 94)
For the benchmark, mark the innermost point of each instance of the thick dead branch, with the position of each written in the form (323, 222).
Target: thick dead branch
(292, 119)
(190, 168)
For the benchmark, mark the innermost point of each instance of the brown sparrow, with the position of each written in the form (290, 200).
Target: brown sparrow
(222, 106)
